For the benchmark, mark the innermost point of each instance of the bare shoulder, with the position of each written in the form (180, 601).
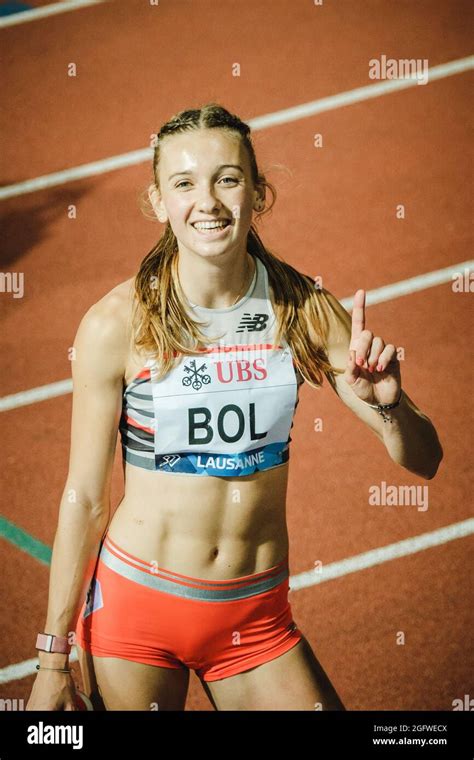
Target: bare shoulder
(112, 311)
(105, 326)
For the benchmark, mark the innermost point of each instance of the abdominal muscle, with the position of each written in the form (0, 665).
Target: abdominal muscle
(203, 526)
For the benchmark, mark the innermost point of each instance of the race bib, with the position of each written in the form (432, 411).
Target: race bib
(227, 411)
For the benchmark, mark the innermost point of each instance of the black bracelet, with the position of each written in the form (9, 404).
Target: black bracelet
(60, 670)
(381, 408)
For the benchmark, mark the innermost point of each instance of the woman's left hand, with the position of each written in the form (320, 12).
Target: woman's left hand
(373, 369)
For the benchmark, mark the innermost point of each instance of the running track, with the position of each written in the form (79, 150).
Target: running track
(304, 68)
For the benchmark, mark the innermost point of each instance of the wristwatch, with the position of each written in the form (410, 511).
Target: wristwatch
(47, 642)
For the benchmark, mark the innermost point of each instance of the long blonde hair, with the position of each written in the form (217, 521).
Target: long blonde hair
(160, 322)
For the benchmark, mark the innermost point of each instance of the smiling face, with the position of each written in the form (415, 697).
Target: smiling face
(205, 175)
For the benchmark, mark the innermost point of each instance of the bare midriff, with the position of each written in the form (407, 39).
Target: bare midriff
(204, 526)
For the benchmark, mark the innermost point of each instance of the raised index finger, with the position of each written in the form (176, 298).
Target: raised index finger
(358, 317)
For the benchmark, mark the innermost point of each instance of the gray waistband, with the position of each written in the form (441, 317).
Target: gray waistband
(164, 581)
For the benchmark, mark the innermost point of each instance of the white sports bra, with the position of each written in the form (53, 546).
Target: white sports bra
(227, 411)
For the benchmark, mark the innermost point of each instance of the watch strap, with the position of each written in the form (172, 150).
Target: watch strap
(47, 642)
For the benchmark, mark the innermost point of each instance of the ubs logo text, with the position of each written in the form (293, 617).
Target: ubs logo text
(241, 370)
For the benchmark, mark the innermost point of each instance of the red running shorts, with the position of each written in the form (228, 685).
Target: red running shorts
(139, 611)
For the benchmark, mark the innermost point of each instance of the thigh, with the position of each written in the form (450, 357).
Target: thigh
(129, 685)
(293, 681)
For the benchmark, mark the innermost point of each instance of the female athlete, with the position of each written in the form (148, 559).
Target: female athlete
(197, 361)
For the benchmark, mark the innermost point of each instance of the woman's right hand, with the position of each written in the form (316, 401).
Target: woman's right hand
(52, 690)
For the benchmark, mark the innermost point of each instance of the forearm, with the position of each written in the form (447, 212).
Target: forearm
(75, 549)
(411, 439)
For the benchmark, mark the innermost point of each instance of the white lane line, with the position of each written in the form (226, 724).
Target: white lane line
(383, 554)
(412, 284)
(22, 17)
(32, 396)
(260, 122)
(378, 295)
(359, 94)
(330, 571)
(26, 668)
(78, 172)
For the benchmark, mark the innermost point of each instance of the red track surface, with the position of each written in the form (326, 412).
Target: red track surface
(335, 217)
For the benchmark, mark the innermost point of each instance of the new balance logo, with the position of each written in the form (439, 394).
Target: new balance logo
(256, 323)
